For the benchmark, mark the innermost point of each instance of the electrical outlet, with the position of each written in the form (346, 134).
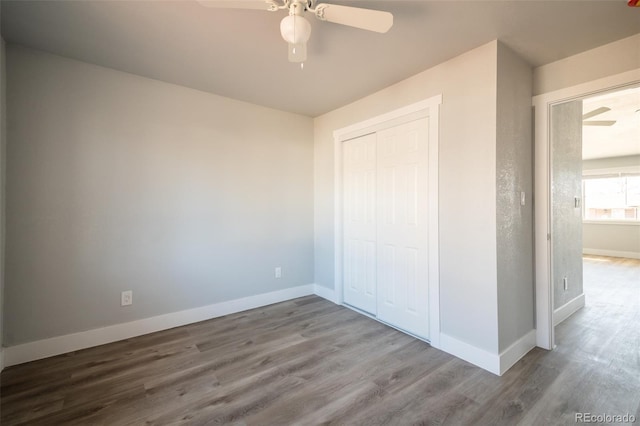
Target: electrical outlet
(126, 298)
(565, 283)
(278, 272)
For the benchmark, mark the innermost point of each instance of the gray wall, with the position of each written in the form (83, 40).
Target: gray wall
(566, 184)
(467, 167)
(610, 59)
(615, 238)
(514, 152)
(119, 182)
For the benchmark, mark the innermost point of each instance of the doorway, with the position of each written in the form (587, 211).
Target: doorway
(608, 220)
(569, 123)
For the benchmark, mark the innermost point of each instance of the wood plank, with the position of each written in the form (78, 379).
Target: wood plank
(308, 361)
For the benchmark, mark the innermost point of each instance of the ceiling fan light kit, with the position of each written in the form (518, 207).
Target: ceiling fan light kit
(296, 30)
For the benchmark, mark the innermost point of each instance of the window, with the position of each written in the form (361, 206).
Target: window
(611, 198)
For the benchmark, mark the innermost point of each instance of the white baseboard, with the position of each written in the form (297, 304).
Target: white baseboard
(517, 350)
(612, 253)
(568, 309)
(480, 357)
(494, 363)
(72, 342)
(325, 293)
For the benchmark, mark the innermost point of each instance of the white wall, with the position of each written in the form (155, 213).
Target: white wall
(467, 164)
(610, 59)
(615, 239)
(627, 163)
(119, 182)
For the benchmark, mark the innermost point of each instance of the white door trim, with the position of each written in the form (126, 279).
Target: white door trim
(426, 108)
(542, 105)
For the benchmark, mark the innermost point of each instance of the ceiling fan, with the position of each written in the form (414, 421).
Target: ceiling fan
(296, 30)
(595, 112)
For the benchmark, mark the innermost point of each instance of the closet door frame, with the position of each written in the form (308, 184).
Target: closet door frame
(428, 108)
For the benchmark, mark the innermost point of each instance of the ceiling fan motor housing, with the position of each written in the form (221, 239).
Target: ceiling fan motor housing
(296, 30)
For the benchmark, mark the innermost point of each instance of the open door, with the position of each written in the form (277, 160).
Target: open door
(566, 209)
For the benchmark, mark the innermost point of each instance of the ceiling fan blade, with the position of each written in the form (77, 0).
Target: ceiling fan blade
(238, 4)
(366, 19)
(595, 112)
(599, 123)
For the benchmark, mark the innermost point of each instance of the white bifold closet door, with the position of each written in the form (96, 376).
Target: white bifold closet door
(385, 206)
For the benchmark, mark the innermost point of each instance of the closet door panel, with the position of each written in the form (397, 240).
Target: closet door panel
(359, 223)
(402, 197)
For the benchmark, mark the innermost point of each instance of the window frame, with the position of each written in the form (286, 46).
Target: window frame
(608, 175)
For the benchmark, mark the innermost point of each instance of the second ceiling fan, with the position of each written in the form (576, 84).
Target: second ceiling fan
(296, 30)
(595, 112)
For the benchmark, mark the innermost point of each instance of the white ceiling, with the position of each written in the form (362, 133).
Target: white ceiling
(620, 139)
(240, 54)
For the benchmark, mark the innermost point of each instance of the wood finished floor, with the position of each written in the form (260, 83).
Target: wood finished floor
(308, 361)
